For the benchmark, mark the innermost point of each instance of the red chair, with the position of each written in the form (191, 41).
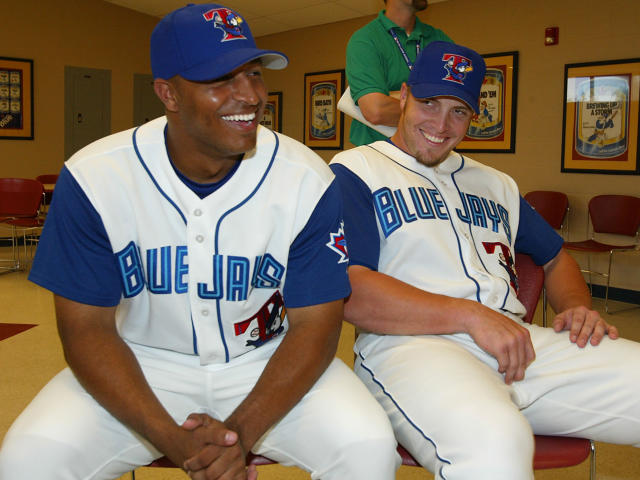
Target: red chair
(550, 451)
(20, 201)
(48, 181)
(614, 215)
(552, 206)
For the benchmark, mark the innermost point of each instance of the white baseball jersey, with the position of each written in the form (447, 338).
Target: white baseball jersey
(460, 217)
(206, 276)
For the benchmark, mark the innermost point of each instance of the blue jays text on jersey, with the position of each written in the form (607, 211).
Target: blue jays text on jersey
(393, 208)
(427, 220)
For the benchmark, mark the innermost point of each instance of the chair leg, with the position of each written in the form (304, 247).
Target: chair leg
(592, 462)
(544, 307)
(606, 292)
(589, 270)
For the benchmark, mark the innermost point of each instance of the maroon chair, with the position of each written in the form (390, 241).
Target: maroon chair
(554, 208)
(20, 201)
(614, 215)
(48, 181)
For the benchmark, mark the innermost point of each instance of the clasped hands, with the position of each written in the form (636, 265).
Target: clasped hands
(214, 452)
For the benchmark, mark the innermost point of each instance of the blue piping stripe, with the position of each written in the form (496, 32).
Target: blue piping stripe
(217, 234)
(171, 202)
(466, 272)
(464, 266)
(144, 165)
(384, 390)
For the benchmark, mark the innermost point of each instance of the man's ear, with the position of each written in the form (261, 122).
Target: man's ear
(166, 93)
(404, 94)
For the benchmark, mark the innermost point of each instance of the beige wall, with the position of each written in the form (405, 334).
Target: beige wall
(589, 31)
(91, 33)
(80, 33)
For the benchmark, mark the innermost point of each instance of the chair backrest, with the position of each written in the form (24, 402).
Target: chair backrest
(48, 178)
(617, 214)
(20, 197)
(552, 206)
(530, 283)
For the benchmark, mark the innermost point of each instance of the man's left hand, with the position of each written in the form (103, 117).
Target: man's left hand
(584, 324)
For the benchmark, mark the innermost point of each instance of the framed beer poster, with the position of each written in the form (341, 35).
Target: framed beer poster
(323, 122)
(272, 116)
(600, 118)
(493, 129)
(16, 99)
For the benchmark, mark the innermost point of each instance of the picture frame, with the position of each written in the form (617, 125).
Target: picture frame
(272, 116)
(493, 130)
(323, 123)
(600, 117)
(16, 98)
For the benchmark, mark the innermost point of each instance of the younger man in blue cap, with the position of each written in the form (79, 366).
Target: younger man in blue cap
(432, 241)
(198, 268)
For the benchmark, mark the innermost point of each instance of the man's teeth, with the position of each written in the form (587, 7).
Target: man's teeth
(240, 118)
(433, 139)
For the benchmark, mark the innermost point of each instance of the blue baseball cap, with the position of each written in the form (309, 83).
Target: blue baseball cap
(204, 42)
(446, 69)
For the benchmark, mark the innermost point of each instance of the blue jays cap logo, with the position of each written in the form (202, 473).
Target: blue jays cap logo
(228, 21)
(457, 67)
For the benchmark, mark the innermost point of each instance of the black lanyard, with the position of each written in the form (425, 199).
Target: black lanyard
(402, 50)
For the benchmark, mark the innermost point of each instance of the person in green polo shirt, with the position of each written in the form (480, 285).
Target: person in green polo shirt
(379, 57)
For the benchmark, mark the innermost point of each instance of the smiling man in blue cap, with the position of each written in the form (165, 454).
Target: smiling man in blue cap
(198, 267)
(432, 238)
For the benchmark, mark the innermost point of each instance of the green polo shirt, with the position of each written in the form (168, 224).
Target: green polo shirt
(375, 64)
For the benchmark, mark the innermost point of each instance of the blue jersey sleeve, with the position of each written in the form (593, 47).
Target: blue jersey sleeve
(361, 228)
(74, 258)
(317, 267)
(535, 236)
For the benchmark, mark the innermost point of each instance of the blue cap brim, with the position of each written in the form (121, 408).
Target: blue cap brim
(224, 64)
(431, 90)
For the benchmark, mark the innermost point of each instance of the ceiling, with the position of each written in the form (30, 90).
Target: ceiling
(273, 16)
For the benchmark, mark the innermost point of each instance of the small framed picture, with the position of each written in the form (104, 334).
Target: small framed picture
(323, 123)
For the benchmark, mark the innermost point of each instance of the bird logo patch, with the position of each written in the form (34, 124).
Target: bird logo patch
(457, 67)
(338, 243)
(228, 21)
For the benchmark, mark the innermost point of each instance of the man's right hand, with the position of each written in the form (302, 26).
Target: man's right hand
(216, 452)
(498, 335)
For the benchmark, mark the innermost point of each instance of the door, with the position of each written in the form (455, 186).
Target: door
(87, 108)
(146, 104)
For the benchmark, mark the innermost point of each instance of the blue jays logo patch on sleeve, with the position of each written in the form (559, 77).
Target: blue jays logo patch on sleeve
(338, 243)
(227, 21)
(457, 67)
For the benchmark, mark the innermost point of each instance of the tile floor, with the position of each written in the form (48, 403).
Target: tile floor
(30, 358)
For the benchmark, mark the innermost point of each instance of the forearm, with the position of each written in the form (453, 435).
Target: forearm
(108, 370)
(303, 355)
(380, 109)
(383, 304)
(564, 283)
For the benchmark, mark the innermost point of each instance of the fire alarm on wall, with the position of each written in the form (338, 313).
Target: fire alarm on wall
(551, 35)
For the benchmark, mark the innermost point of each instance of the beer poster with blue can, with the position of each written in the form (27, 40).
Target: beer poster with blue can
(601, 117)
(323, 122)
